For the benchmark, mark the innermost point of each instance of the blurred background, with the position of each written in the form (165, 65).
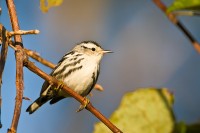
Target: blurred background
(149, 51)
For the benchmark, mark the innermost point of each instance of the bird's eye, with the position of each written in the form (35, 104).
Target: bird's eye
(93, 49)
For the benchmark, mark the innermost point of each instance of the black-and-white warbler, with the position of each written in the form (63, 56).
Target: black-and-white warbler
(78, 69)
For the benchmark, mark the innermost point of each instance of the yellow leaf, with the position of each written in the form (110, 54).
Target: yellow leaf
(45, 5)
(190, 5)
(146, 110)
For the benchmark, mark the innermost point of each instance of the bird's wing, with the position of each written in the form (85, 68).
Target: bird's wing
(56, 99)
(44, 87)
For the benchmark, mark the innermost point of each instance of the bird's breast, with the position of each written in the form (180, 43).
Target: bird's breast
(82, 79)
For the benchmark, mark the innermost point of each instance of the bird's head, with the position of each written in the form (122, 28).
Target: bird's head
(90, 48)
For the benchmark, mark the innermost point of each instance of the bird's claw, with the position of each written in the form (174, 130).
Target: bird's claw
(82, 106)
(60, 85)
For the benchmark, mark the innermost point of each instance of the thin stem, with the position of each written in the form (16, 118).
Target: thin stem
(4, 50)
(69, 91)
(23, 32)
(176, 22)
(186, 13)
(38, 58)
(19, 56)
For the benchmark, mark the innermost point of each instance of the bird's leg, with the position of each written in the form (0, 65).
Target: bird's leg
(86, 101)
(60, 85)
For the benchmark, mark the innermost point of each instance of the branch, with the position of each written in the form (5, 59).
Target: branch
(36, 57)
(69, 91)
(4, 50)
(186, 13)
(23, 32)
(176, 22)
(19, 56)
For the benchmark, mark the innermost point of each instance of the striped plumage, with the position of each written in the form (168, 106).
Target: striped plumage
(78, 69)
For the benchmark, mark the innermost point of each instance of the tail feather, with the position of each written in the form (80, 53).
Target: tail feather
(36, 104)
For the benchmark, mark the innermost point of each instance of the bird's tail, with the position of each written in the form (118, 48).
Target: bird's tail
(36, 104)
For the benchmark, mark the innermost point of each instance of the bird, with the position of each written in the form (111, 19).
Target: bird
(78, 69)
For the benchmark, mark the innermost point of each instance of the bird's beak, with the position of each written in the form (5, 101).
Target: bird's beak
(106, 51)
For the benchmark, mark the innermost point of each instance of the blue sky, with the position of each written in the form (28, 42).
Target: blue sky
(149, 51)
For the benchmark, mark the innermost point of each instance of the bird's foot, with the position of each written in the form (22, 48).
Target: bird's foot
(60, 85)
(86, 101)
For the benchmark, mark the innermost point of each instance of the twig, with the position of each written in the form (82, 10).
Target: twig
(23, 32)
(98, 87)
(186, 13)
(19, 56)
(176, 22)
(36, 56)
(69, 91)
(4, 50)
(11, 45)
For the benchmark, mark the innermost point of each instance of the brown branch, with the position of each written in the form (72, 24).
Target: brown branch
(176, 22)
(19, 56)
(23, 32)
(69, 91)
(4, 50)
(98, 87)
(11, 45)
(36, 57)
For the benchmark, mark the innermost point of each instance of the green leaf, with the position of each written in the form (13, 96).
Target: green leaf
(181, 127)
(146, 110)
(192, 5)
(45, 5)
